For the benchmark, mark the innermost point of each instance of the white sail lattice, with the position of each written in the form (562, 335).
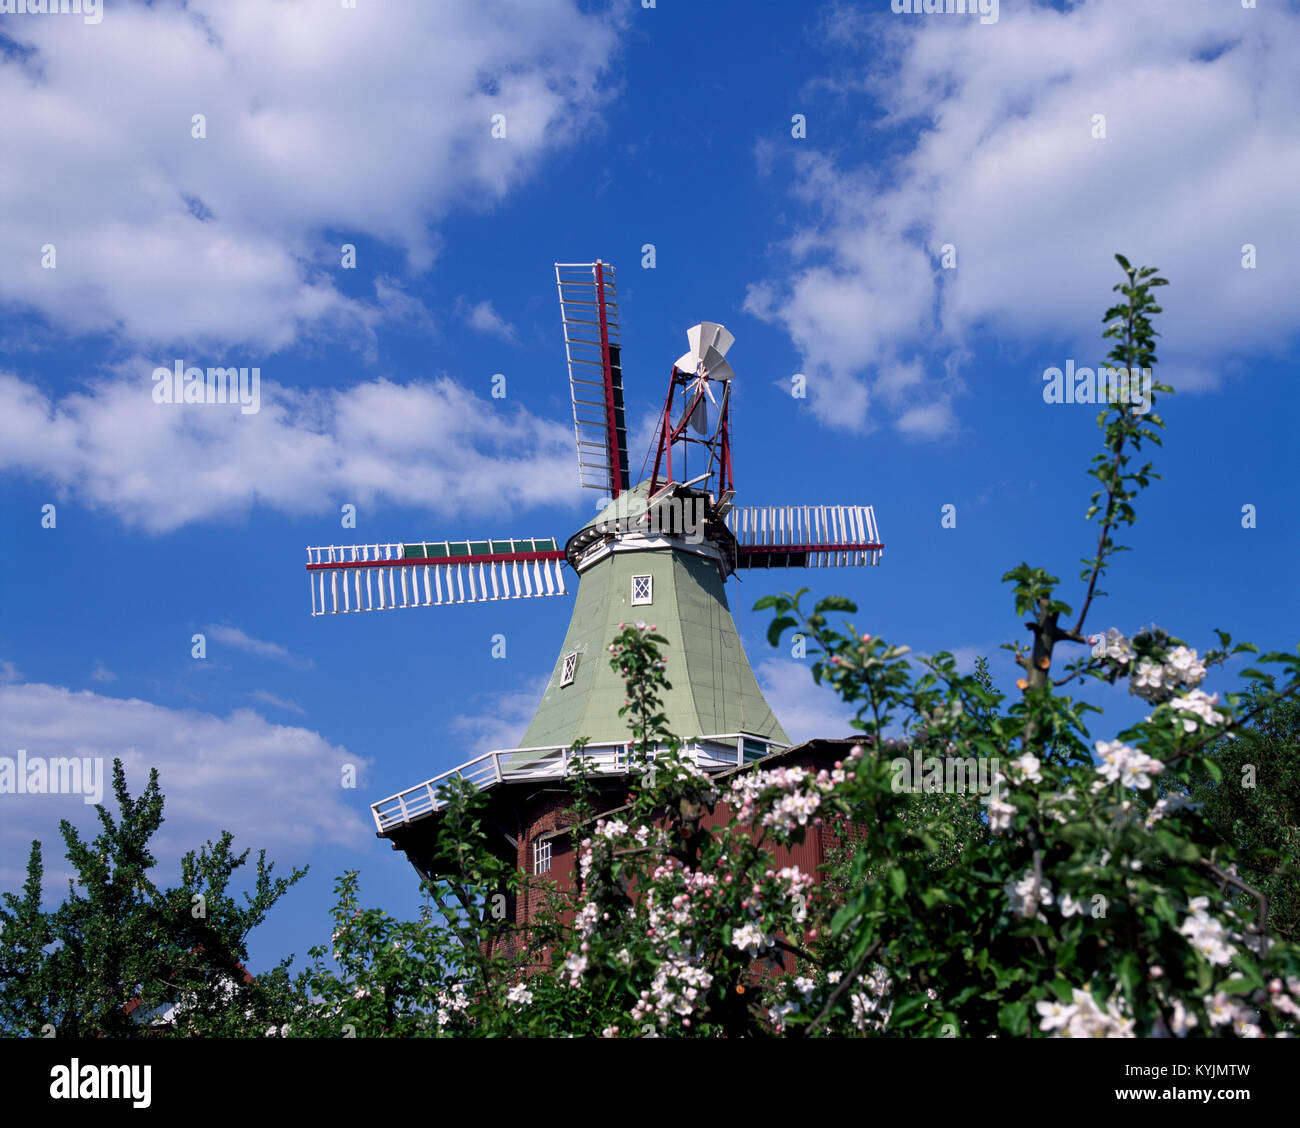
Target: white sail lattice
(384, 577)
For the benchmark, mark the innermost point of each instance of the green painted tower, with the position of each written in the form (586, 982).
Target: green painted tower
(673, 576)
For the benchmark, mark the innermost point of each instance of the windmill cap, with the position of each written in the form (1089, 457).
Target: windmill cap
(620, 515)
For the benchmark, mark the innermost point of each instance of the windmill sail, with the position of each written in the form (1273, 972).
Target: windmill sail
(382, 577)
(589, 311)
(805, 536)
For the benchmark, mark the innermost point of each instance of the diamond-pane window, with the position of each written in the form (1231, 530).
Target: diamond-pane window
(569, 668)
(542, 856)
(642, 589)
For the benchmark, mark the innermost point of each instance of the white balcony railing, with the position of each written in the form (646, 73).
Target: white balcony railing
(710, 753)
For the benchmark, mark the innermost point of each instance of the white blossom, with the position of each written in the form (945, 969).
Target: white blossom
(1000, 813)
(750, 938)
(1199, 704)
(1088, 1020)
(1207, 935)
(1055, 1015)
(1127, 765)
(1176, 801)
(1027, 766)
(1112, 645)
(1026, 895)
(1183, 1019)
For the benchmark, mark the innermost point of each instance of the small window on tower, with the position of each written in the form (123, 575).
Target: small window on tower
(542, 856)
(568, 669)
(642, 589)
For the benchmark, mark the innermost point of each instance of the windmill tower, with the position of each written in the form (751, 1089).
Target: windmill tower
(660, 550)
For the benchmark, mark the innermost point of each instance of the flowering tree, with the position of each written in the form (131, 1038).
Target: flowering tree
(1092, 908)
(1084, 896)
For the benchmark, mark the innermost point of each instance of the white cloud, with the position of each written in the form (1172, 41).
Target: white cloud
(482, 318)
(102, 673)
(499, 720)
(433, 446)
(928, 420)
(9, 673)
(237, 638)
(1200, 157)
(324, 125)
(269, 698)
(805, 709)
(272, 786)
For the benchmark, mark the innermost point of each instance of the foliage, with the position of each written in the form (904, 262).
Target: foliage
(1250, 791)
(120, 956)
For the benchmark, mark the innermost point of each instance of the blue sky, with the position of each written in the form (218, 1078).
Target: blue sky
(625, 126)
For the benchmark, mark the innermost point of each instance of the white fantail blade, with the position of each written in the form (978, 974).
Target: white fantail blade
(715, 368)
(709, 334)
(699, 420)
(709, 343)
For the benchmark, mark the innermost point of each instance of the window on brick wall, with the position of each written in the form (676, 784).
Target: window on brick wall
(642, 589)
(542, 856)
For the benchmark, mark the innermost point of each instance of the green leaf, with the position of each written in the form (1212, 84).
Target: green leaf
(836, 603)
(1014, 1018)
(778, 627)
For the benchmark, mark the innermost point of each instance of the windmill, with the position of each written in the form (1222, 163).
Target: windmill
(659, 550)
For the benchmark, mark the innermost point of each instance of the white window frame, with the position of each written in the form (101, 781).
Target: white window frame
(650, 591)
(568, 668)
(542, 855)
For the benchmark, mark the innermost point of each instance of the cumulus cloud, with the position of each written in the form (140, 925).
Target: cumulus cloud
(806, 710)
(482, 318)
(431, 445)
(323, 125)
(1199, 158)
(272, 786)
